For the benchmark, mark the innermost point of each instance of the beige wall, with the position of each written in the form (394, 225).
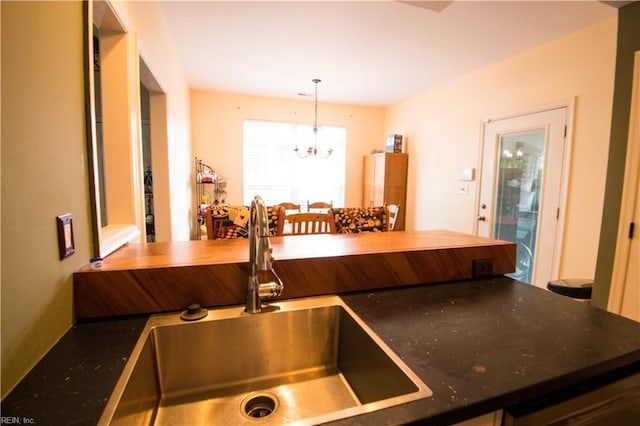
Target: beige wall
(43, 137)
(216, 126)
(443, 126)
(43, 176)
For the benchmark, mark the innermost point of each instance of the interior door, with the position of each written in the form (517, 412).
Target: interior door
(520, 188)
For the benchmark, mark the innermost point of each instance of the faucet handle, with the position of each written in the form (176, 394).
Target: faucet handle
(272, 286)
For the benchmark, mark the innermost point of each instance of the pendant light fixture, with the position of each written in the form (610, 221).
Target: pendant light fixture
(315, 149)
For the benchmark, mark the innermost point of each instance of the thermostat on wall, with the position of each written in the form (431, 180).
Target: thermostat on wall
(466, 173)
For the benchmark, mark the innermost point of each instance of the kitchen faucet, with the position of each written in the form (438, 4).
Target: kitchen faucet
(260, 259)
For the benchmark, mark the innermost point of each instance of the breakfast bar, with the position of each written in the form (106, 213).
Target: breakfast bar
(162, 277)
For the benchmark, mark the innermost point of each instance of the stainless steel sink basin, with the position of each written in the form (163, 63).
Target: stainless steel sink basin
(304, 361)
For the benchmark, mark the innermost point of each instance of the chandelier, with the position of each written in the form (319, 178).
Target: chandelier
(315, 149)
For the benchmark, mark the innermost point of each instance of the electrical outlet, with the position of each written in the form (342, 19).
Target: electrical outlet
(481, 268)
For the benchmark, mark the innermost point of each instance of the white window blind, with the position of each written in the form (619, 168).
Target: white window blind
(273, 170)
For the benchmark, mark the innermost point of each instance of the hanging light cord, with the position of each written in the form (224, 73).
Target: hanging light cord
(313, 150)
(315, 121)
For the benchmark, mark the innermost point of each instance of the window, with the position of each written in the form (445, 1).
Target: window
(273, 170)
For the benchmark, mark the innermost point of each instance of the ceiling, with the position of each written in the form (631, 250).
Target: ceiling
(365, 52)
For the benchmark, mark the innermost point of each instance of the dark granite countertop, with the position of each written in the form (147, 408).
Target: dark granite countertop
(479, 345)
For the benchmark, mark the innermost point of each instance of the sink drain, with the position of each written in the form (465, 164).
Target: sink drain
(257, 406)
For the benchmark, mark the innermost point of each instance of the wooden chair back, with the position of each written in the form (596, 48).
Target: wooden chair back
(291, 207)
(310, 223)
(319, 206)
(393, 215)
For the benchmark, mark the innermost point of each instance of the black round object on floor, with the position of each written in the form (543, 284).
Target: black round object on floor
(578, 288)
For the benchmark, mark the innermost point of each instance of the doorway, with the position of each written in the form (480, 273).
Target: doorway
(145, 115)
(521, 188)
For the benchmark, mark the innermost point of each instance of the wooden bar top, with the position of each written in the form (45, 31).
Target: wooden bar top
(158, 277)
(212, 252)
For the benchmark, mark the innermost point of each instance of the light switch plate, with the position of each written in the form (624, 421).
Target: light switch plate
(65, 235)
(462, 188)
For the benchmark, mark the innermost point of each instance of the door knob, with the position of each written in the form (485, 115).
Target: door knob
(481, 218)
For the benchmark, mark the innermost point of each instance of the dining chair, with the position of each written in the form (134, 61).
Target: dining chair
(309, 223)
(319, 206)
(393, 210)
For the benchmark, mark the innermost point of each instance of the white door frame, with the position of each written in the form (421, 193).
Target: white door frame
(569, 104)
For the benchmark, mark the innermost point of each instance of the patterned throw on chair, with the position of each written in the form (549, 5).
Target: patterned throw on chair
(352, 220)
(238, 227)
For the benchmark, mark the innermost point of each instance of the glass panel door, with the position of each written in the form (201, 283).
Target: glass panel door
(521, 189)
(520, 170)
